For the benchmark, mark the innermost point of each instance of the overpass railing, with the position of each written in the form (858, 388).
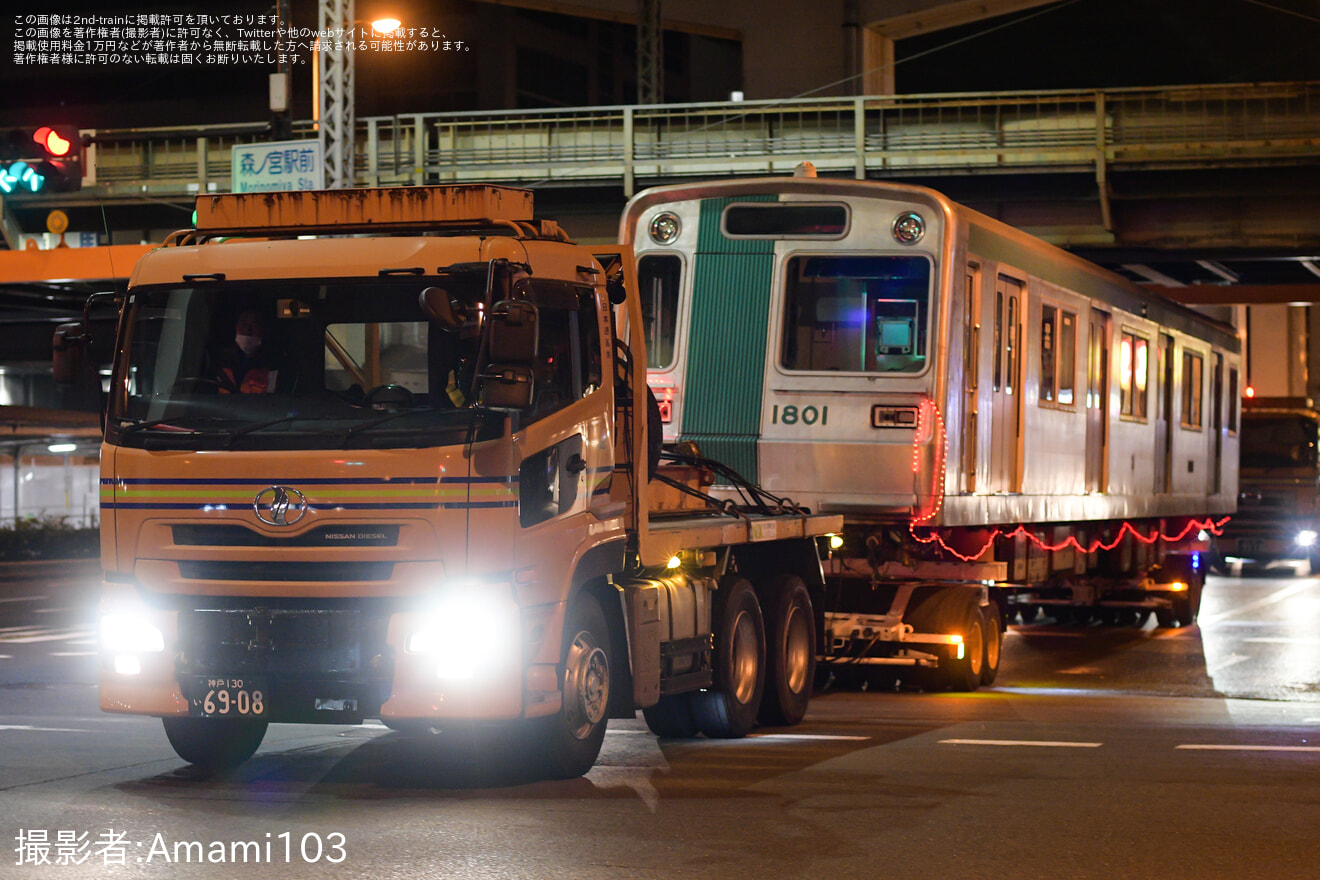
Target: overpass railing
(893, 136)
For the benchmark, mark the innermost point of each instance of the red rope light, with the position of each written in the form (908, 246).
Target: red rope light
(1214, 527)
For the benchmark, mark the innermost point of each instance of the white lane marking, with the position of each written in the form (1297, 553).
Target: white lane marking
(1286, 592)
(22, 598)
(807, 736)
(1232, 661)
(1283, 640)
(6, 656)
(43, 729)
(73, 653)
(1080, 670)
(1050, 744)
(1209, 747)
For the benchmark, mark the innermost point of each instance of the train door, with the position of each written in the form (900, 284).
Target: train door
(1097, 401)
(971, 363)
(1006, 385)
(724, 378)
(1217, 424)
(1163, 416)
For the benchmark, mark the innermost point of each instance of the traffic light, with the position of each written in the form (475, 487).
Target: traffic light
(37, 159)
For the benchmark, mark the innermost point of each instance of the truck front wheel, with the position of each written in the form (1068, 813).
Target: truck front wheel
(571, 739)
(728, 708)
(214, 743)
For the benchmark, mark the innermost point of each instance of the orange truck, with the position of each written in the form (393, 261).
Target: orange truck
(383, 453)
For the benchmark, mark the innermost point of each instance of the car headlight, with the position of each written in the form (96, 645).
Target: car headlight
(1306, 538)
(129, 633)
(469, 632)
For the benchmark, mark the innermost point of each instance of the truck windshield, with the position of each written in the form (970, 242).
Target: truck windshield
(1278, 441)
(297, 364)
(856, 314)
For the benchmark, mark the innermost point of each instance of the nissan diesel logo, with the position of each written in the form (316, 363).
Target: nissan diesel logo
(280, 506)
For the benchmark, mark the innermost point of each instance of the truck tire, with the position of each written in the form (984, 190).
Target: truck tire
(570, 740)
(953, 610)
(994, 642)
(214, 743)
(790, 650)
(672, 717)
(728, 709)
(1188, 606)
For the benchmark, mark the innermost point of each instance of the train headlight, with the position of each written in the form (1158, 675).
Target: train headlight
(664, 228)
(909, 227)
(469, 632)
(1306, 538)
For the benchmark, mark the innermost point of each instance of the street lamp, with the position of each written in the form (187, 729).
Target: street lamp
(334, 81)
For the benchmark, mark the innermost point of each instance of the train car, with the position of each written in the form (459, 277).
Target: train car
(982, 407)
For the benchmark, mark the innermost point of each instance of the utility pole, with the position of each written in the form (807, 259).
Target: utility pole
(281, 82)
(650, 53)
(335, 129)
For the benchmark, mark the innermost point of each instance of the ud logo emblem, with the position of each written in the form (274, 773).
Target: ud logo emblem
(280, 506)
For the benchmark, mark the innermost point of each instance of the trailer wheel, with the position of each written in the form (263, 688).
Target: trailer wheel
(953, 610)
(728, 708)
(570, 740)
(214, 743)
(672, 717)
(994, 642)
(1188, 606)
(790, 650)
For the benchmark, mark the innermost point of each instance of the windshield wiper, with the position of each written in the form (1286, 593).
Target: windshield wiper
(354, 430)
(256, 426)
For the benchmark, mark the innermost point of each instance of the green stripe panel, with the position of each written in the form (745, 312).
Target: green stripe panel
(726, 347)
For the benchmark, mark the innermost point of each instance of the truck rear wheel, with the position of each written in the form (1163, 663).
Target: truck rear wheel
(570, 740)
(728, 708)
(214, 743)
(790, 650)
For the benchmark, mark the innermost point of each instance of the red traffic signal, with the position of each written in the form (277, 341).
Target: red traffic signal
(36, 159)
(49, 140)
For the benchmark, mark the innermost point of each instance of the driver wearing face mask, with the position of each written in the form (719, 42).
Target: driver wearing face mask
(248, 366)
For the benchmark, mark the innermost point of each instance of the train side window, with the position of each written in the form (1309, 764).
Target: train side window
(660, 281)
(856, 314)
(1193, 369)
(1133, 373)
(1058, 355)
(1233, 402)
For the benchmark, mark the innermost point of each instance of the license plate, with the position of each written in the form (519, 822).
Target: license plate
(1250, 545)
(215, 697)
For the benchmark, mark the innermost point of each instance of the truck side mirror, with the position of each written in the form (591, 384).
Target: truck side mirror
(508, 382)
(440, 308)
(68, 350)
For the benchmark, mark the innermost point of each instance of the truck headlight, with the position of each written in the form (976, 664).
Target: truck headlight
(129, 633)
(469, 632)
(1306, 538)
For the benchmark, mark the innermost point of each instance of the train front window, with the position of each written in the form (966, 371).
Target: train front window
(856, 314)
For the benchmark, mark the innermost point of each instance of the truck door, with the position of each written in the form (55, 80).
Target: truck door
(1006, 386)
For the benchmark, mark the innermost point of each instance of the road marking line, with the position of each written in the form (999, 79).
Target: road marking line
(1051, 744)
(1259, 603)
(1283, 640)
(1233, 661)
(43, 729)
(1214, 748)
(808, 736)
(73, 653)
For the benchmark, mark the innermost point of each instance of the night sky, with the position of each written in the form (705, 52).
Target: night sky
(1076, 44)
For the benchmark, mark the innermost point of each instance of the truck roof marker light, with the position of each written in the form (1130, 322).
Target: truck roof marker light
(1249, 392)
